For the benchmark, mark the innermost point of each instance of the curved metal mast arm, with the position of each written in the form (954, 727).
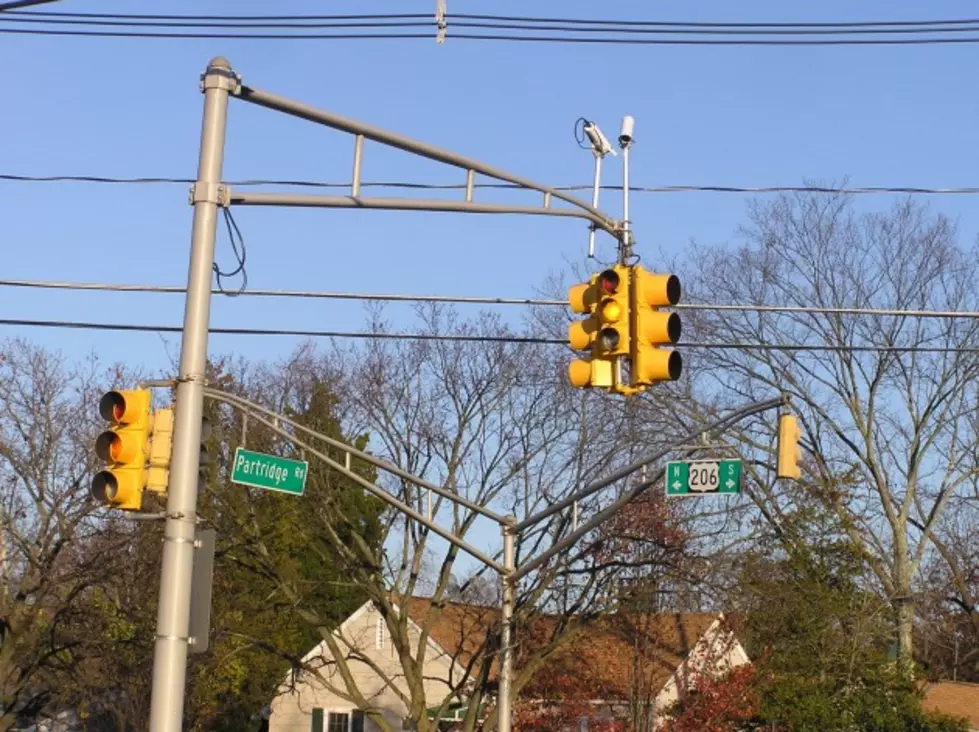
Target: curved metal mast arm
(416, 147)
(246, 405)
(383, 495)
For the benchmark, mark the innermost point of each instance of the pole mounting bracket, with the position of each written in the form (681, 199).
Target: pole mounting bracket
(204, 192)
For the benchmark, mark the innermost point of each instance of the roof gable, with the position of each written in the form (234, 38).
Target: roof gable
(607, 656)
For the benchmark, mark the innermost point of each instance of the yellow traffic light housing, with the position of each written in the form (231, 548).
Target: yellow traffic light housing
(789, 452)
(653, 328)
(612, 311)
(625, 320)
(586, 298)
(161, 446)
(123, 447)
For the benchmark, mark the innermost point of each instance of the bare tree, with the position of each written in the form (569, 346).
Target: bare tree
(885, 399)
(949, 592)
(496, 423)
(48, 528)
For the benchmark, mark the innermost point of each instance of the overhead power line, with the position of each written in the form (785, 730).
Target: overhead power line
(494, 37)
(716, 31)
(216, 36)
(716, 41)
(256, 18)
(481, 300)
(489, 22)
(11, 6)
(910, 190)
(475, 27)
(459, 337)
(719, 24)
(367, 22)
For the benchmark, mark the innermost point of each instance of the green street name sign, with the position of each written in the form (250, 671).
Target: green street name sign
(258, 470)
(702, 477)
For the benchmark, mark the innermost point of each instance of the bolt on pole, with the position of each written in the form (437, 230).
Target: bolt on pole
(173, 614)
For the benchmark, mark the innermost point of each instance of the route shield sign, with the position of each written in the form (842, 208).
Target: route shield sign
(702, 477)
(258, 470)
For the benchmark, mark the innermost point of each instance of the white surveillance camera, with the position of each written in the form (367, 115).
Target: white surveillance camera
(599, 143)
(628, 126)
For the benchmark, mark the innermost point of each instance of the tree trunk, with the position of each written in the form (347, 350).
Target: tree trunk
(905, 631)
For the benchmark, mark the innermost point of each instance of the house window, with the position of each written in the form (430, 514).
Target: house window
(380, 633)
(338, 721)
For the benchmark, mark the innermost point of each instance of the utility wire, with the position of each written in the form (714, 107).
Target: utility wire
(491, 21)
(215, 36)
(712, 41)
(10, 7)
(256, 18)
(470, 300)
(176, 289)
(716, 24)
(911, 190)
(524, 24)
(561, 38)
(362, 335)
(236, 24)
(715, 31)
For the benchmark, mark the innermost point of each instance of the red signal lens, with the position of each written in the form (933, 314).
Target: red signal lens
(118, 410)
(608, 281)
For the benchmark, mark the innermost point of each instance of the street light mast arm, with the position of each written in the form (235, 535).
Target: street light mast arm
(716, 426)
(383, 495)
(472, 166)
(613, 508)
(247, 406)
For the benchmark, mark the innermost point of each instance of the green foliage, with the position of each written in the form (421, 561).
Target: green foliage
(825, 639)
(275, 565)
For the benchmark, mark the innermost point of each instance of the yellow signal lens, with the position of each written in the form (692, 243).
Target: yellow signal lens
(611, 311)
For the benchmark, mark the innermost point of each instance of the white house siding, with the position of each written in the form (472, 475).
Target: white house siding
(292, 710)
(717, 648)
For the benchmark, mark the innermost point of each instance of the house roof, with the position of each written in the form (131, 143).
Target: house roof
(954, 698)
(607, 656)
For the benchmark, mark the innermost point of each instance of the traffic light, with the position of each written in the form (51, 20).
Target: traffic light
(612, 312)
(789, 452)
(653, 328)
(582, 334)
(161, 445)
(207, 459)
(123, 447)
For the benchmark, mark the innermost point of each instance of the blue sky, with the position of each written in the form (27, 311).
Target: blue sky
(705, 115)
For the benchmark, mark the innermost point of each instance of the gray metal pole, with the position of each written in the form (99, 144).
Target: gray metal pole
(173, 615)
(504, 700)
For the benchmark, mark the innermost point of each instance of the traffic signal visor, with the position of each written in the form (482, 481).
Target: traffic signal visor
(655, 328)
(789, 452)
(123, 447)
